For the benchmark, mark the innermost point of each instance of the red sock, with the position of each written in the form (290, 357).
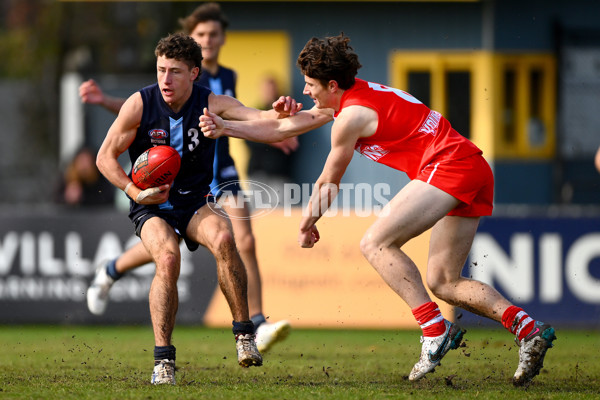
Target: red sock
(517, 321)
(430, 319)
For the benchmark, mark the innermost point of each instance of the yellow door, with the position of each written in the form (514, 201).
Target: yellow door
(255, 56)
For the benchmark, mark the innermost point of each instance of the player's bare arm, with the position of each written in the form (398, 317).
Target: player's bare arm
(118, 139)
(265, 131)
(230, 108)
(351, 124)
(90, 93)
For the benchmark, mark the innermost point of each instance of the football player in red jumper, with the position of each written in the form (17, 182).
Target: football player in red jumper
(451, 187)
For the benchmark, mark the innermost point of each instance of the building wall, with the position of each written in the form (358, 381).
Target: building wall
(376, 29)
(531, 25)
(379, 28)
(114, 40)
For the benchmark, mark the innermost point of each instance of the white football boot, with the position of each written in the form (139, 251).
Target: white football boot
(268, 334)
(164, 373)
(248, 354)
(97, 294)
(435, 348)
(532, 350)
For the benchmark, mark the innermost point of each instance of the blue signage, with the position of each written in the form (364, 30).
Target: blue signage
(548, 266)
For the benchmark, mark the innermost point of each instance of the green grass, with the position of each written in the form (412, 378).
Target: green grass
(97, 362)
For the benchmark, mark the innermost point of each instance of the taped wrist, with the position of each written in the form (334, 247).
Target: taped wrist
(146, 193)
(127, 187)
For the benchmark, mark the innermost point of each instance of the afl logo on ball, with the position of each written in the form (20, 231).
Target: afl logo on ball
(141, 162)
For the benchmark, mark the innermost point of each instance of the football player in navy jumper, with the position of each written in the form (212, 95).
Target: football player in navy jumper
(162, 215)
(207, 25)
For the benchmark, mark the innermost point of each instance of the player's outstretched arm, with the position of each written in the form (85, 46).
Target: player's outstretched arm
(232, 109)
(264, 130)
(90, 93)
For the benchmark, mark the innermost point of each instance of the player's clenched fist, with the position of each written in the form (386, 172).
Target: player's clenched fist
(308, 238)
(286, 106)
(211, 124)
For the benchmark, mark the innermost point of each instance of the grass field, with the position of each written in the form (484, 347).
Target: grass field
(97, 362)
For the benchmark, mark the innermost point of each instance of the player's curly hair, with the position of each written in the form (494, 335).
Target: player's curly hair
(205, 12)
(181, 47)
(330, 58)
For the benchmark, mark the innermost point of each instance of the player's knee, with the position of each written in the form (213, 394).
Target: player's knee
(368, 245)
(436, 289)
(223, 241)
(440, 286)
(167, 265)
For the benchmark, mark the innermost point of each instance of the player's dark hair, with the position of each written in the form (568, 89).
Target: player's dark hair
(180, 47)
(330, 58)
(203, 13)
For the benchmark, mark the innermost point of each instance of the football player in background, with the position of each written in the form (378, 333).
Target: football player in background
(207, 25)
(451, 187)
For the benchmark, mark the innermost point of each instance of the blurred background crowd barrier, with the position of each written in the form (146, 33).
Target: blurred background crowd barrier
(547, 264)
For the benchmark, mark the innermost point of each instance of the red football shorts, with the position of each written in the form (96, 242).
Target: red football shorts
(470, 180)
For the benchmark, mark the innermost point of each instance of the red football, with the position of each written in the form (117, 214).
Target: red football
(156, 166)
